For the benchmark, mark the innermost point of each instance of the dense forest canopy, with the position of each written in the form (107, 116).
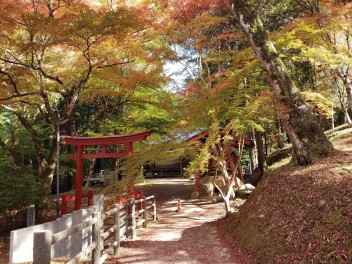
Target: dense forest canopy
(273, 70)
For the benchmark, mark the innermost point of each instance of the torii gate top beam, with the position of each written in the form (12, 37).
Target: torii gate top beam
(107, 140)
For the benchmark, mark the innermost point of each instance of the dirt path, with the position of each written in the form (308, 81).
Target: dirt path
(186, 237)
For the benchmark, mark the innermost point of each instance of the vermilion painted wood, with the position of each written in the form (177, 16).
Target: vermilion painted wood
(108, 140)
(196, 185)
(129, 148)
(65, 199)
(64, 204)
(139, 195)
(80, 142)
(90, 197)
(79, 177)
(99, 155)
(131, 189)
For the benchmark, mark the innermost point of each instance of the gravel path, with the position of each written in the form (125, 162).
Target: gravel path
(187, 237)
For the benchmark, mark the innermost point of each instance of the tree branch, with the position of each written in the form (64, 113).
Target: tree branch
(10, 152)
(32, 133)
(37, 68)
(113, 64)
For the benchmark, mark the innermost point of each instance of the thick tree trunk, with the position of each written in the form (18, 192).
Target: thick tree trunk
(46, 165)
(307, 137)
(261, 155)
(46, 172)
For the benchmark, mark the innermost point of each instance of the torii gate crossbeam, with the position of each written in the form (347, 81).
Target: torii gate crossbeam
(81, 142)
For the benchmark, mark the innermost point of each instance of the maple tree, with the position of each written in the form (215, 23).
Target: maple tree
(307, 137)
(96, 68)
(52, 53)
(329, 21)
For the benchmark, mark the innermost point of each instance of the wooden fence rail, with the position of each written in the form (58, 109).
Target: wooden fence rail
(124, 224)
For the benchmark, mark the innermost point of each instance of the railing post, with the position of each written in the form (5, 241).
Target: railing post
(96, 237)
(120, 199)
(64, 204)
(131, 189)
(42, 247)
(154, 209)
(90, 198)
(117, 236)
(140, 196)
(144, 212)
(133, 215)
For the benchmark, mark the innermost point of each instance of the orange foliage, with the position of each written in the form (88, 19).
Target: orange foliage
(187, 10)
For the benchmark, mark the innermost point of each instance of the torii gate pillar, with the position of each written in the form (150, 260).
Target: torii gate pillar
(79, 178)
(80, 142)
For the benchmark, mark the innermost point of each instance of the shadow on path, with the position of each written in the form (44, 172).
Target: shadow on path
(185, 237)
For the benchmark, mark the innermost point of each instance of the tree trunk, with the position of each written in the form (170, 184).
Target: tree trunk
(307, 137)
(347, 119)
(347, 83)
(261, 155)
(46, 171)
(255, 151)
(90, 172)
(221, 162)
(343, 107)
(230, 181)
(281, 137)
(72, 148)
(251, 160)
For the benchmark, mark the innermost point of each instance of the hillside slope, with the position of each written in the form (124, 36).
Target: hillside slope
(301, 214)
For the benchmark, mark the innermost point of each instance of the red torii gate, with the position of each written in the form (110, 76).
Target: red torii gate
(80, 142)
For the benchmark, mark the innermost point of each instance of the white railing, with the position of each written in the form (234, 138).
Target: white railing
(124, 224)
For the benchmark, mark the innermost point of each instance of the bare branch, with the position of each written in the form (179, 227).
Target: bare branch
(114, 64)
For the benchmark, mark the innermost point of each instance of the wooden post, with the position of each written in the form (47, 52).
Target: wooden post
(96, 237)
(90, 198)
(144, 212)
(64, 204)
(117, 236)
(140, 196)
(133, 215)
(120, 199)
(154, 208)
(210, 165)
(131, 189)
(79, 177)
(42, 247)
(129, 148)
(196, 185)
